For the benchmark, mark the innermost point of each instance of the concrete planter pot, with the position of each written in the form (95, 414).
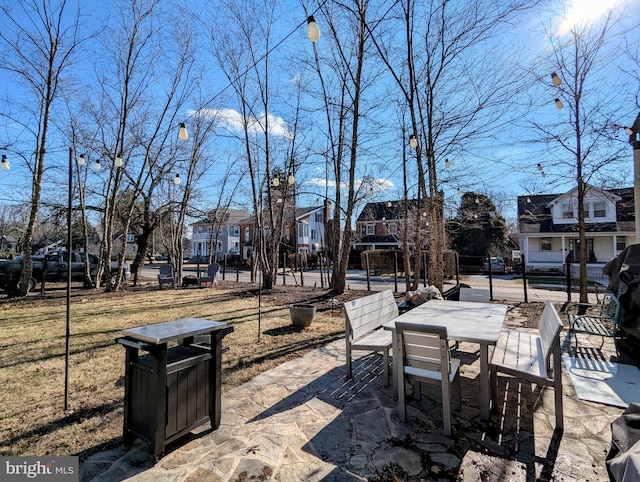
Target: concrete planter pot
(302, 314)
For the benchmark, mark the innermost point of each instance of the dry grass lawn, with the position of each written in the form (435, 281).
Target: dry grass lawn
(32, 354)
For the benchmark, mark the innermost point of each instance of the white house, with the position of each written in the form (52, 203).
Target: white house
(220, 229)
(549, 227)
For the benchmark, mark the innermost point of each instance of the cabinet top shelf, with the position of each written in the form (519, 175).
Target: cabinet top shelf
(173, 330)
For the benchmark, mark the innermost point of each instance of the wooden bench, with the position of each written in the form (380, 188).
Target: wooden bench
(527, 355)
(599, 319)
(363, 320)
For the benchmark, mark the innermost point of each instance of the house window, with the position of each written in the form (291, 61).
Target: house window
(545, 244)
(314, 234)
(246, 235)
(319, 217)
(599, 209)
(393, 229)
(236, 230)
(303, 230)
(567, 211)
(621, 243)
(371, 229)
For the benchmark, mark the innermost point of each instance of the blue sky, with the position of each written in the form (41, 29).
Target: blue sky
(504, 167)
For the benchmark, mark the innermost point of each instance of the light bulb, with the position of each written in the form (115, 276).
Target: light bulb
(543, 174)
(413, 141)
(291, 179)
(176, 180)
(459, 191)
(559, 104)
(539, 167)
(5, 163)
(313, 32)
(555, 79)
(97, 165)
(628, 131)
(80, 160)
(447, 164)
(182, 132)
(118, 161)
(275, 182)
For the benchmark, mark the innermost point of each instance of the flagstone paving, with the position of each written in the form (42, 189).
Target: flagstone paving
(304, 421)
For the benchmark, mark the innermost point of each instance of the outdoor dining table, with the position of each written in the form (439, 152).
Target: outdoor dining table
(465, 321)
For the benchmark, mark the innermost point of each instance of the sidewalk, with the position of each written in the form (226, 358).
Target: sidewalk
(303, 421)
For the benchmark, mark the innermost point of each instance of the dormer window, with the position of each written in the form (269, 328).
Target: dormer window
(567, 211)
(371, 229)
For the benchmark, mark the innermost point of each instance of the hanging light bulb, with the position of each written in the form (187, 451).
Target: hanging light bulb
(628, 131)
(97, 165)
(413, 141)
(543, 174)
(313, 32)
(559, 104)
(447, 164)
(80, 160)
(291, 180)
(477, 201)
(371, 192)
(539, 167)
(275, 182)
(528, 200)
(182, 132)
(389, 204)
(176, 180)
(118, 161)
(5, 163)
(555, 79)
(459, 192)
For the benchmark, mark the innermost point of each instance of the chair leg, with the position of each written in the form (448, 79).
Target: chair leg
(446, 406)
(402, 408)
(494, 389)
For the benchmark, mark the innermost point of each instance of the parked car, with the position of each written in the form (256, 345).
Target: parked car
(497, 266)
(53, 267)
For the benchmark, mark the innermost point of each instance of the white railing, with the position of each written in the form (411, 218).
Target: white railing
(545, 257)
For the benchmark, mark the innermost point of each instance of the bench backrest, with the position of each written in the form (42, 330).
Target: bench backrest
(549, 328)
(474, 294)
(369, 313)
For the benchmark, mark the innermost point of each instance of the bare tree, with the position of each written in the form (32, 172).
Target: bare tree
(343, 77)
(587, 132)
(243, 47)
(37, 54)
(450, 92)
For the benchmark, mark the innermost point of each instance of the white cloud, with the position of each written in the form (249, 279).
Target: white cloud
(232, 120)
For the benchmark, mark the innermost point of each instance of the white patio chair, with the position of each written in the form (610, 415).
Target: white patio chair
(426, 358)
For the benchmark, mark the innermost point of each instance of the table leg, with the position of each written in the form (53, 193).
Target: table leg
(484, 382)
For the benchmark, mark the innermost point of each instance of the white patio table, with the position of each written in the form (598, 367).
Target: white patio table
(465, 321)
